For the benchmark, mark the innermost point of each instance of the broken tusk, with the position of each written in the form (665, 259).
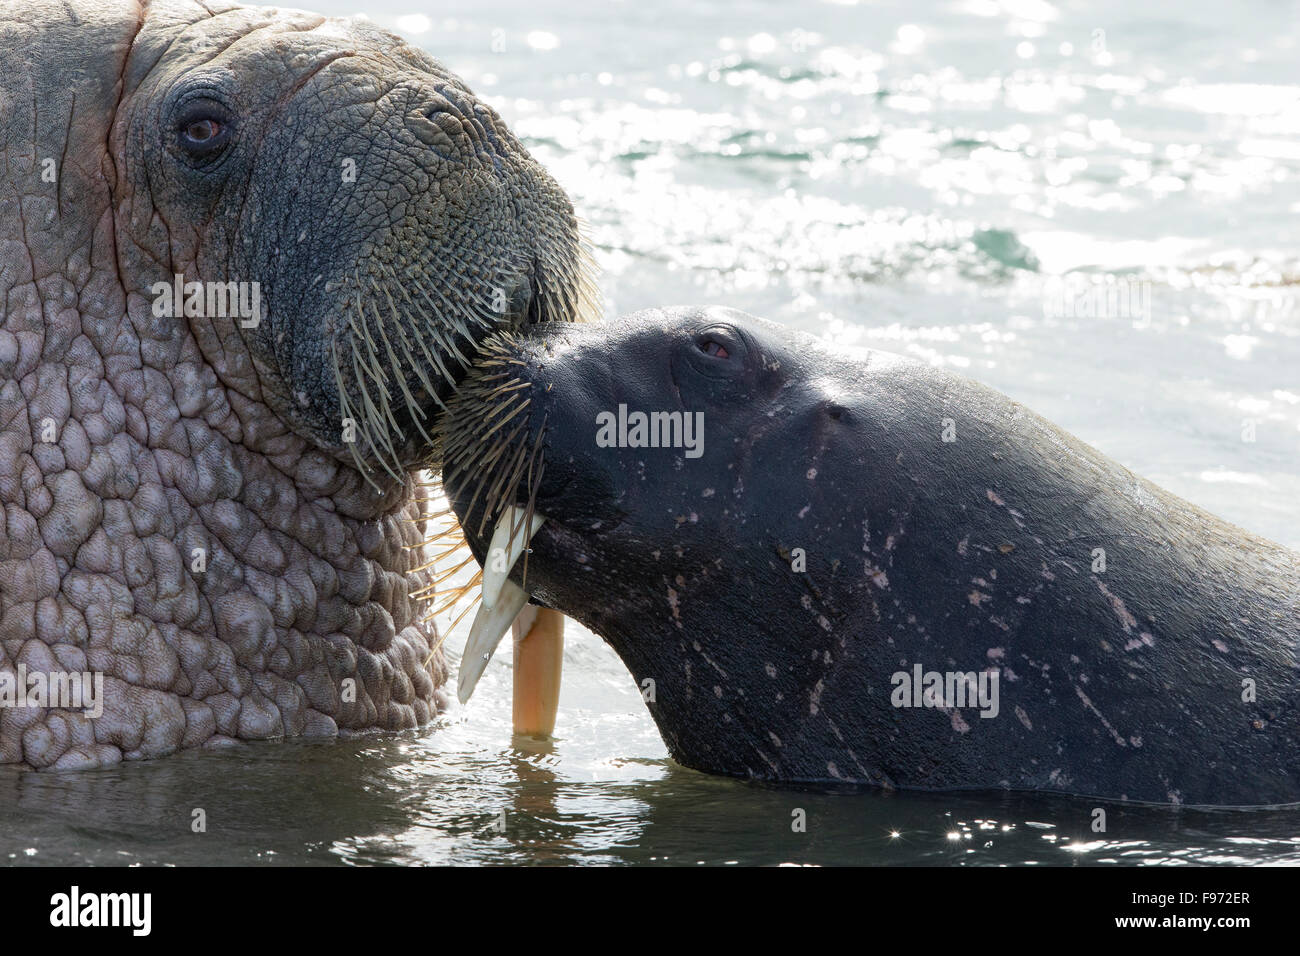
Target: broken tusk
(539, 660)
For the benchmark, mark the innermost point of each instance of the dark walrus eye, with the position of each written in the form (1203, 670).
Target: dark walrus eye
(204, 128)
(717, 351)
(720, 341)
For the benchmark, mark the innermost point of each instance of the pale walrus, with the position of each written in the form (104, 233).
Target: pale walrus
(860, 570)
(243, 255)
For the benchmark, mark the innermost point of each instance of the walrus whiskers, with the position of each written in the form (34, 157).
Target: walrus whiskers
(369, 415)
(485, 460)
(418, 367)
(490, 459)
(380, 378)
(345, 413)
(506, 480)
(489, 450)
(416, 411)
(373, 420)
(533, 484)
(457, 594)
(501, 445)
(392, 297)
(453, 531)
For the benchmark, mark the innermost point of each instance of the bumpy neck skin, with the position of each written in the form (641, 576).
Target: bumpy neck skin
(224, 577)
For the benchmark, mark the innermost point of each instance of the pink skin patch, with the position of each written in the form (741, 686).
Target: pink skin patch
(1104, 722)
(1122, 612)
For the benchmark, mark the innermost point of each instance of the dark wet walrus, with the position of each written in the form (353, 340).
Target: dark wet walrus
(850, 524)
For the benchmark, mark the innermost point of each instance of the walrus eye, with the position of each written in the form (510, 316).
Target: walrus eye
(200, 131)
(718, 351)
(203, 129)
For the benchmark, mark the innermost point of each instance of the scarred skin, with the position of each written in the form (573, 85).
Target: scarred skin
(175, 436)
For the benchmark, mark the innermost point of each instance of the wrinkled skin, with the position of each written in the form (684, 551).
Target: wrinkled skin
(974, 555)
(130, 442)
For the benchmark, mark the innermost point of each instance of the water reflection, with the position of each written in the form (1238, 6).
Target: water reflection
(405, 801)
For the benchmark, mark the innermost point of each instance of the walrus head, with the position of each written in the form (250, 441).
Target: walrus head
(649, 464)
(245, 256)
(388, 217)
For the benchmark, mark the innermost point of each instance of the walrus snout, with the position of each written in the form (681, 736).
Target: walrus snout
(534, 465)
(497, 432)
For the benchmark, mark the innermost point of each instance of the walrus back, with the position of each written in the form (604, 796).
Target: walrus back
(1171, 633)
